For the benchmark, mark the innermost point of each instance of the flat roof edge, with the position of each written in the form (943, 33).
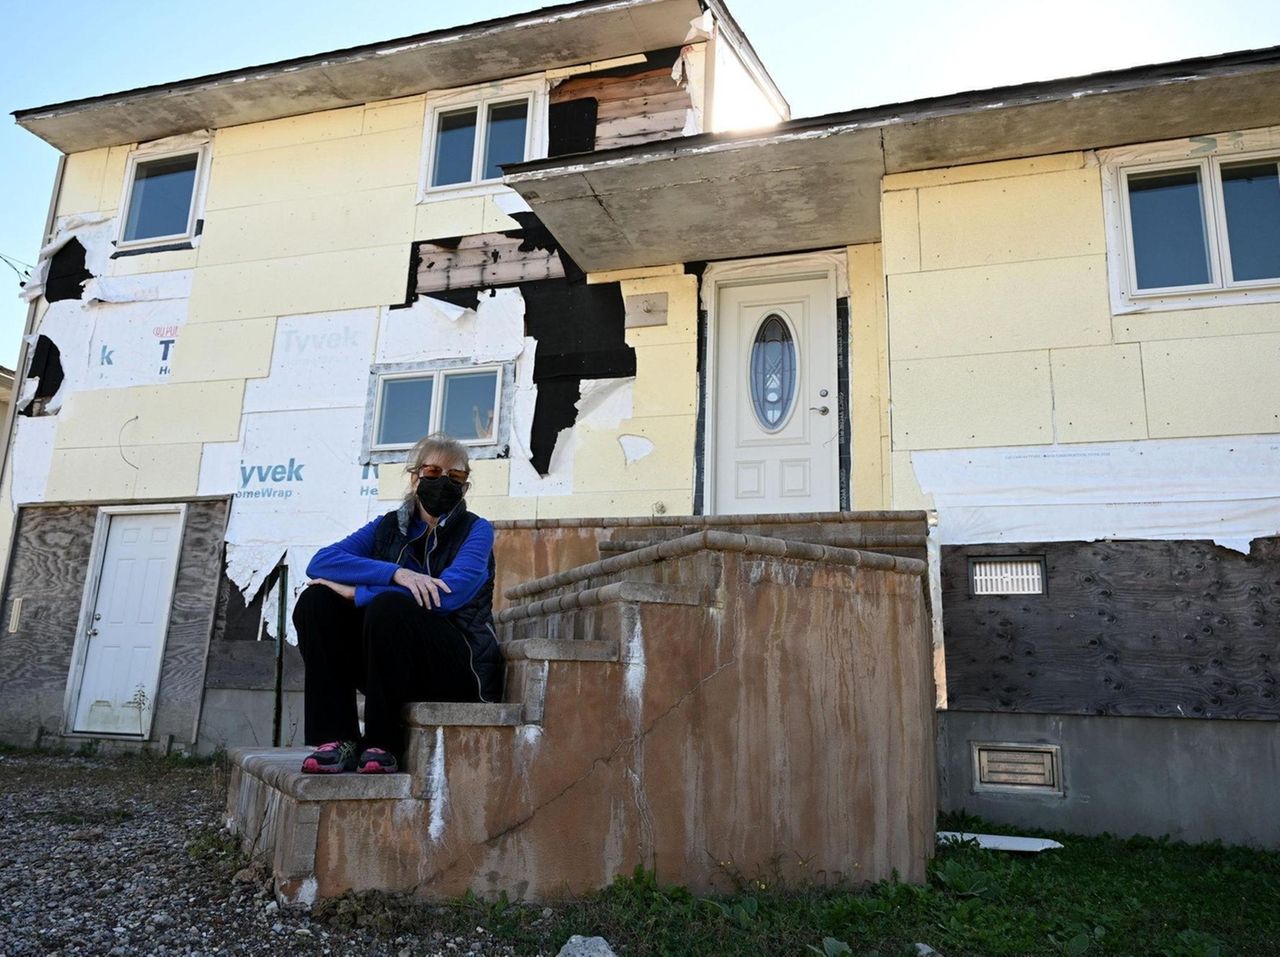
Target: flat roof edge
(512, 21)
(1023, 94)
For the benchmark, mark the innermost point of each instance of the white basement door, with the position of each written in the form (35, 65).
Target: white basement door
(127, 628)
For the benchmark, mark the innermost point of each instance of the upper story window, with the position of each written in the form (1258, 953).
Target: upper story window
(1196, 229)
(471, 133)
(161, 197)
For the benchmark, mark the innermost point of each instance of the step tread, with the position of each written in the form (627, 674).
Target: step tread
(281, 768)
(464, 713)
(560, 649)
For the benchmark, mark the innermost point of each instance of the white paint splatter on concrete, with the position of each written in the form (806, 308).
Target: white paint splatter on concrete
(437, 788)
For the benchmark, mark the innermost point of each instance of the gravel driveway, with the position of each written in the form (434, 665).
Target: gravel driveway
(123, 856)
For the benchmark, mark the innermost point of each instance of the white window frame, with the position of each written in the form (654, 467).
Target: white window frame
(1207, 154)
(533, 90)
(150, 153)
(438, 372)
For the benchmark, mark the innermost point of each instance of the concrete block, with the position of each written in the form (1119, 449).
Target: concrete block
(300, 227)
(238, 349)
(239, 718)
(290, 131)
(405, 113)
(972, 402)
(322, 282)
(1202, 322)
(1097, 394)
(441, 218)
(82, 178)
(429, 714)
(1002, 169)
(1008, 307)
(900, 231)
(1047, 216)
(151, 415)
(335, 167)
(1220, 386)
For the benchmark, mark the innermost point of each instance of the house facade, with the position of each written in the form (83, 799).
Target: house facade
(1048, 314)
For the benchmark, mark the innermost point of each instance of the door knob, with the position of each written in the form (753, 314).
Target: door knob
(821, 409)
(92, 632)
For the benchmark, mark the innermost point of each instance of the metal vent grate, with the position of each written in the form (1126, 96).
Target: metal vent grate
(1007, 576)
(1017, 767)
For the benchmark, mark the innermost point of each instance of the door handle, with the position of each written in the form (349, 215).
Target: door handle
(92, 632)
(820, 409)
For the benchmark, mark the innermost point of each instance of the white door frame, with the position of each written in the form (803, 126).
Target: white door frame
(80, 649)
(751, 272)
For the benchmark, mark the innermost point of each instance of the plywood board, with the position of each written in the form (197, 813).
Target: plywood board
(1008, 307)
(1097, 394)
(1047, 216)
(1221, 386)
(972, 401)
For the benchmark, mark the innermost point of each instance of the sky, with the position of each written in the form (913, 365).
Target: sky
(825, 56)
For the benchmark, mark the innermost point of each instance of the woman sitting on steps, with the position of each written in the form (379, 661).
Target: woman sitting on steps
(401, 609)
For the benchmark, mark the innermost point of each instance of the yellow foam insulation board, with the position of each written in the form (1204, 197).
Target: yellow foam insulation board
(82, 177)
(307, 170)
(324, 282)
(600, 464)
(868, 375)
(1048, 216)
(495, 220)
(907, 494)
(1196, 323)
(673, 501)
(406, 113)
(145, 263)
(972, 401)
(113, 178)
(238, 349)
(1003, 308)
(900, 231)
(640, 272)
(173, 413)
(1097, 394)
(306, 128)
(301, 227)
(1221, 386)
(123, 472)
(438, 218)
(666, 380)
(1001, 169)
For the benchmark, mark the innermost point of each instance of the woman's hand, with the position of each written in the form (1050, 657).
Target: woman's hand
(424, 589)
(346, 591)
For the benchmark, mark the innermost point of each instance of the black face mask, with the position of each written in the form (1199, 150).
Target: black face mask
(439, 495)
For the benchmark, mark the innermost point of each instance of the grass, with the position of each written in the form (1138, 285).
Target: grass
(1098, 896)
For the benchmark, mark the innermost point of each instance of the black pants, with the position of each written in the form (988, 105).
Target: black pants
(392, 649)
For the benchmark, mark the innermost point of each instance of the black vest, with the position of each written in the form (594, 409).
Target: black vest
(391, 543)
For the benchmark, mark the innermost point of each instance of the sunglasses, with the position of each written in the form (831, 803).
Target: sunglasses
(435, 471)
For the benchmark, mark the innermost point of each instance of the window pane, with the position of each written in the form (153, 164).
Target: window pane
(160, 201)
(468, 405)
(505, 137)
(1251, 193)
(406, 411)
(1169, 243)
(773, 373)
(455, 147)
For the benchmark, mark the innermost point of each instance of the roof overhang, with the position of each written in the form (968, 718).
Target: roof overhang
(550, 38)
(815, 183)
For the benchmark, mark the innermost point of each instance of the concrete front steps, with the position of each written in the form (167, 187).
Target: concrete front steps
(709, 699)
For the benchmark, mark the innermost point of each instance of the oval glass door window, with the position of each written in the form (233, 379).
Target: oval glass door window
(773, 373)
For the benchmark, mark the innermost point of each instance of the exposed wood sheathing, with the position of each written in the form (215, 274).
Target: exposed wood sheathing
(643, 107)
(1161, 629)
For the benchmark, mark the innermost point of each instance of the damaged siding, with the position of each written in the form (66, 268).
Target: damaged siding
(241, 366)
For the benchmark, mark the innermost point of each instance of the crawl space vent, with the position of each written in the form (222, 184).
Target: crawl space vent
(1034, 768)
(1007, 576)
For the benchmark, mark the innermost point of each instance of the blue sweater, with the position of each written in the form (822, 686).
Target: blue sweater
(351, 562)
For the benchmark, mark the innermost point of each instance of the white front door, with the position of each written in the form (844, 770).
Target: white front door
(128, 623)
(776, 401)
